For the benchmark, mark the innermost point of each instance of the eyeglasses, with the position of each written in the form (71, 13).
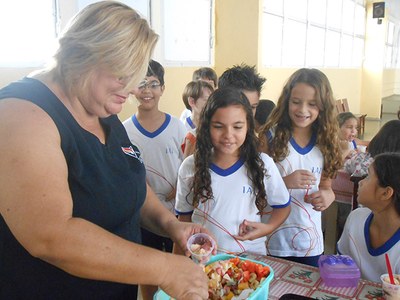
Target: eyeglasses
(151, 85)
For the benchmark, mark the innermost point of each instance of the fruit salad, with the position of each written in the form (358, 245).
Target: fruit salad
(234, 278)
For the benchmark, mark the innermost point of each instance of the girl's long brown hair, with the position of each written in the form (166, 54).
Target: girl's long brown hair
(325, 127)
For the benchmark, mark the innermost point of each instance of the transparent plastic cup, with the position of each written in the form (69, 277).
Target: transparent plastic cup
(390, 291)
(200, 246)
(362, 148)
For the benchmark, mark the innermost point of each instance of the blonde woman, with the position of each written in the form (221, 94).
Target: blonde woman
(73, 192)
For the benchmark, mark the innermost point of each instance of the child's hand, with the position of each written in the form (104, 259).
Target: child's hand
(252, 230)
(300, 179)
(321, 200)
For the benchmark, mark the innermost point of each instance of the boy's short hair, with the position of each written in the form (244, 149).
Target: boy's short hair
(243, 77)
(157, 70)
(205, 73)
(194, 89)
(264, 109)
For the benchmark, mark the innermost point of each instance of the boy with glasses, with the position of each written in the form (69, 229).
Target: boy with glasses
(158, 136)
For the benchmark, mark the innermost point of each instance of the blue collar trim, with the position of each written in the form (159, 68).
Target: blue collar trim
(307, 148)
(154, 133)
(190, 122)
(226, 172)
(386, 246)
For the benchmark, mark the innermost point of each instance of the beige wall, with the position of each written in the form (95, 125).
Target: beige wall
(237, 40)
(390, 82)
(236, 33)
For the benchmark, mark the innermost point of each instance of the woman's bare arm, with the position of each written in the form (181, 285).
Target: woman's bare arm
(36, 204)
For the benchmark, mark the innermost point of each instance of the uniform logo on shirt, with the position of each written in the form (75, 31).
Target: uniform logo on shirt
(131, 152)
(316, 170)
(246, 189)
(169, 150)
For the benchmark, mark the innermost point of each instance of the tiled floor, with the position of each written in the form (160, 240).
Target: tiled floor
(373, 126)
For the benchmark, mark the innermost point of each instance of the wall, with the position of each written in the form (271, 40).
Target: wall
(390, 82)
(236, 41)
(236, 31)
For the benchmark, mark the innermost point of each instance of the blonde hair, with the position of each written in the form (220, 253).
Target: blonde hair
(105, 35)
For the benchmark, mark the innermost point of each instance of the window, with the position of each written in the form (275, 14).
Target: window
(33, 36)
(313, 33)
(186, 32)
(392, 53)
(141, 6)
(184, 27)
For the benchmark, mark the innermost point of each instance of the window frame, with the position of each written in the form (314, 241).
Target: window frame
(154, 12)
(352, 32)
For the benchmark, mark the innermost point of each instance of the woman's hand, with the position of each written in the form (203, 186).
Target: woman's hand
(300, 179)
(180, 232)
(183, 279)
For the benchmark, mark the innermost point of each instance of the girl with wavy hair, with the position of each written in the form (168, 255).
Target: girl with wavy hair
(227, 185)
(301, 136)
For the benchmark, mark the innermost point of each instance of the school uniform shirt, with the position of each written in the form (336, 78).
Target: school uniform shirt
(161, 153)
(355, 242)
(353, 145)
(189, 125)
(185, 113)
(301, 233)
(233, 202)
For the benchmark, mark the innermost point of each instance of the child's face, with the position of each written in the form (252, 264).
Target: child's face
(254, 99)
(348, 131)
(148, 93)
(228, 129)
(369, 188)
(198, 105)
(303, 109)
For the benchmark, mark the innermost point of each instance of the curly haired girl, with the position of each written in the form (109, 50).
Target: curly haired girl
(301, 136)
(227, 185)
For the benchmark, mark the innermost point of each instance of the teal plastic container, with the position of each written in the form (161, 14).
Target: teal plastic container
(261, 293)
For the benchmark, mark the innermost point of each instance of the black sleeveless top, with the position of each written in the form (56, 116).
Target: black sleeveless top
(108, 187)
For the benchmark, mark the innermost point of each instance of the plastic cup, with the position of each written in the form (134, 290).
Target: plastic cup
(361, 148)
(200, 246)
(390, 291)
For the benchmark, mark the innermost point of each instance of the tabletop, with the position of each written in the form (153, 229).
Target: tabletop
(300, 279)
